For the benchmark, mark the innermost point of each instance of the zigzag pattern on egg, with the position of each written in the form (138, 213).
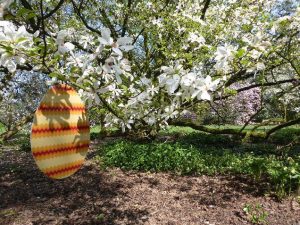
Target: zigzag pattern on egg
(60, 133)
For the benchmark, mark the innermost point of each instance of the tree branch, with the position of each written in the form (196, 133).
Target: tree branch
(44, 36)
(209, 129)
(124, 26)
(15, 129)
(251, 118)
(235, 77)
(268, 84)
(32, 23)
(206, 5)
(107, 23)
(77, 10)
(61, 2)
(242, 133)
(260, 85)
(136, 38)
(283, 125)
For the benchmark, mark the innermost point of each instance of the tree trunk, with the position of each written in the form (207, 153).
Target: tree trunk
(16, 128)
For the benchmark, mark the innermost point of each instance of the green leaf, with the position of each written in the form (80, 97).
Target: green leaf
(27, 13)
(54, 74)
(240, 52)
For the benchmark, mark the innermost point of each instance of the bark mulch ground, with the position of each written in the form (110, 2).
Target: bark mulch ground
(94, 196)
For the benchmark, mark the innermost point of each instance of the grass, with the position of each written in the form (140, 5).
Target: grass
(190, 152)
(95, 129)
(256, 213)
(283, 136)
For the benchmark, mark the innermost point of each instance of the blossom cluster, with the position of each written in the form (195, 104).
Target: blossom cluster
(137, 100)
(164, 60)
(14, 42)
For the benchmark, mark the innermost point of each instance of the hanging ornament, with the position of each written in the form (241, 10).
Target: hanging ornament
(60, 133)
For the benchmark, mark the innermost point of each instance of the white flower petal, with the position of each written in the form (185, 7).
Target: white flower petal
(126, 48)
(195, 93)
(103, 41)
(97, 99)
(20, 60)
(118, 78)
(61, 35)
(260, 66)
(11, 66)
(118, 51)
(205, 96)
(69, 46)
(124, 40)
(105, 32)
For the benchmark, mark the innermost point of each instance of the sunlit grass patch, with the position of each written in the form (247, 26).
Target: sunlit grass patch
(199, 153)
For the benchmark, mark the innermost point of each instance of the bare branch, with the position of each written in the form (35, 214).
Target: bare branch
(267, 84)
(209, 129)
(78, 12)
(251, 118)
(108, 23)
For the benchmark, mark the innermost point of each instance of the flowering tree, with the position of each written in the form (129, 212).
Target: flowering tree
(19, 99)
(147, 62)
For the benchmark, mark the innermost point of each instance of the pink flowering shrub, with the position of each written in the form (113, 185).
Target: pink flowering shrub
(236, 109)
(245, 104)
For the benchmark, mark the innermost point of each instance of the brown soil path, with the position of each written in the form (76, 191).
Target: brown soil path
(93, 196)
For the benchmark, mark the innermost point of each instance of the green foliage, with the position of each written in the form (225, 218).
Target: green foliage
(26, 13)
(21, 141)
(199, 153)
(7, 212)
(95, 129)
(94, 136)
(172, 130)
(2, 128)
(256, 213)
(286, 135)
(100, 217)
(202, 110)
(96, 132)
(25, 145)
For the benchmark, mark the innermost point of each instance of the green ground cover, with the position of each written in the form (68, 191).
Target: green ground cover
(185, 151)
(2, 128)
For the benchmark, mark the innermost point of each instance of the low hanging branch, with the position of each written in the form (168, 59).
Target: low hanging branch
(283, 125)
(242, 132)
(208, 129)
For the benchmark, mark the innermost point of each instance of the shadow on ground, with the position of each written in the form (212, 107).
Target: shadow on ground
(88, 197)
(94, 196)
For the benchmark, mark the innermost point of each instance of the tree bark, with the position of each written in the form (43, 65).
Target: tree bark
(15, 129)
(237, 132)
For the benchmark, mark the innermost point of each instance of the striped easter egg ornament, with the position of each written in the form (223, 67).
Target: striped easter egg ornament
(60, 133)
